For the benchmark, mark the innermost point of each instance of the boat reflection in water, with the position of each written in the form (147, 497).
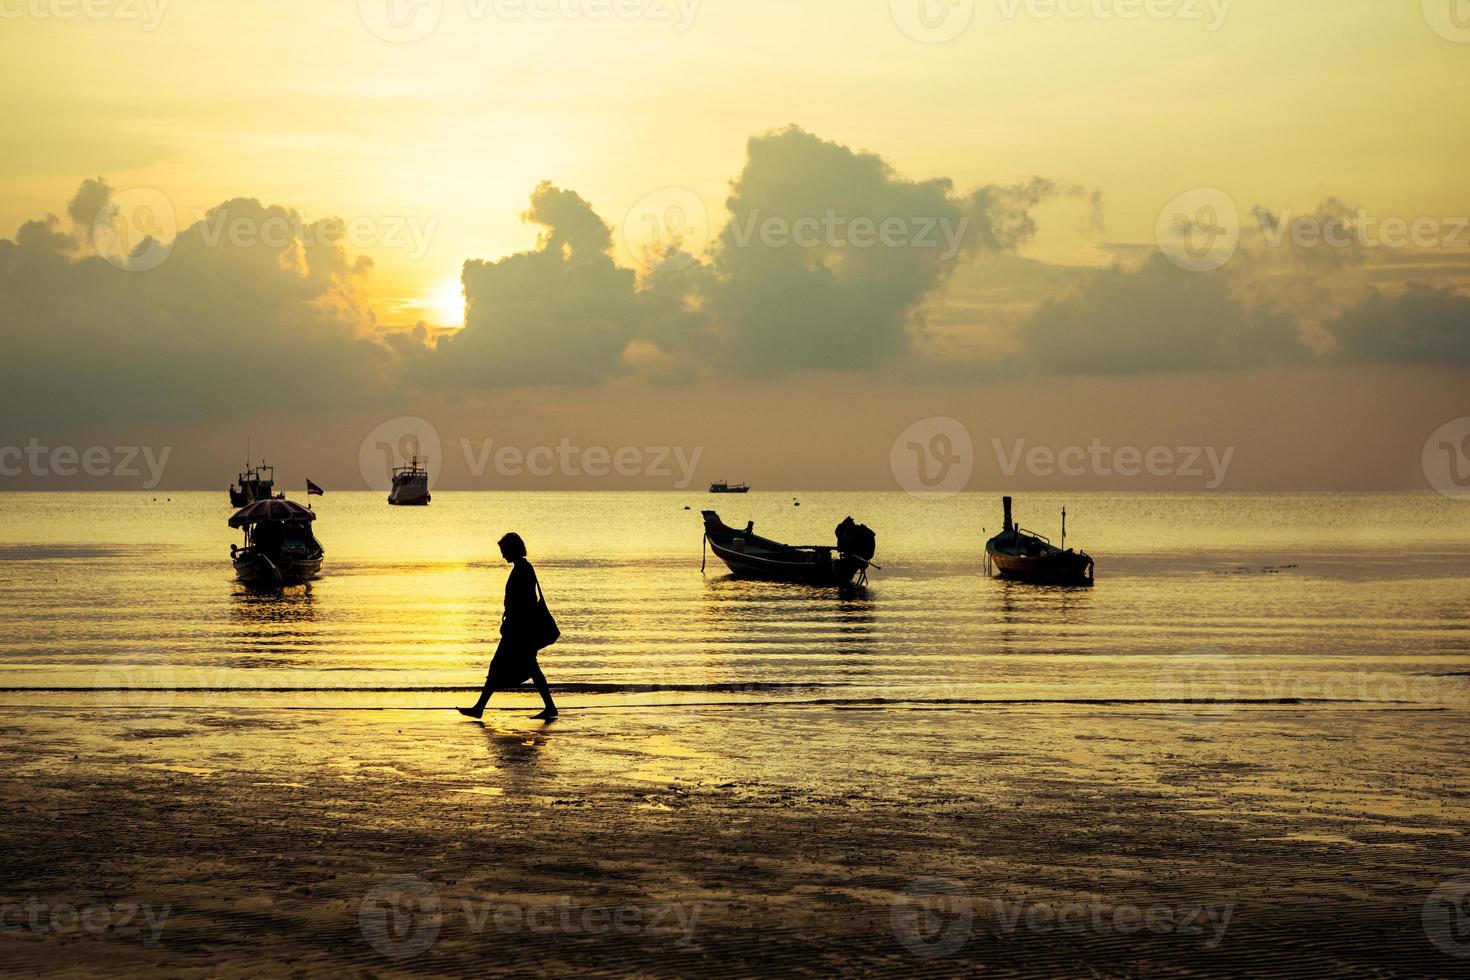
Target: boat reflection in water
(279, 546)
(1028, 557)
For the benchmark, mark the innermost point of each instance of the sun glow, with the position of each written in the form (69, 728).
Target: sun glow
(446, 304)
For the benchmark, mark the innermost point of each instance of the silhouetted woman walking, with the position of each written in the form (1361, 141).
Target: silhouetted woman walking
(525, 628)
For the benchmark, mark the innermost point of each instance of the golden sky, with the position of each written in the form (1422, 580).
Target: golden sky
(303, 105)
(1088, 157)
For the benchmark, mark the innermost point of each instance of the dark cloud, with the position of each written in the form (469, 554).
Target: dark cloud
(219, 329)
(1155, 318)
(561, 314)
(828, 255)
(827, 260)
(1423, 325)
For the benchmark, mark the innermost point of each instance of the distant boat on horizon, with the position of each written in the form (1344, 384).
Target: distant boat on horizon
(255, 483)
(721, 486)
(1029, 557)
(410, 485)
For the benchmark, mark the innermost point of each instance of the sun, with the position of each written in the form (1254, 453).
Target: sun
(446, 304)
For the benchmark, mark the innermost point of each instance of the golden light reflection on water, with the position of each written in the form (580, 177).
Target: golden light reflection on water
(1350, 597)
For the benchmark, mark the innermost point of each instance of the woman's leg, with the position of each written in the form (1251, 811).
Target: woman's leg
(542, 688)
(478, 711)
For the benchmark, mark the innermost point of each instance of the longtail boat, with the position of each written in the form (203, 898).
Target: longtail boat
(749, 555)
(279, 546)
(1028, 557)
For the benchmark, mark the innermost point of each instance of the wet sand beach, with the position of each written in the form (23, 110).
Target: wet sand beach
(731, 839)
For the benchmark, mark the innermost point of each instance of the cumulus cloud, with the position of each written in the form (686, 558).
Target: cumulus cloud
(1156, 318)
(825, 261)
(563, 313)
(220, 328)
(828, 255)
(1423, 325)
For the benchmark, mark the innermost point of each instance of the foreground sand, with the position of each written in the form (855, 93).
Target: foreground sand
(1129, 841)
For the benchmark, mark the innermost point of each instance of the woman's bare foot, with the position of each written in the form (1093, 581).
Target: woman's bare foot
(475, 713)
(546, 715)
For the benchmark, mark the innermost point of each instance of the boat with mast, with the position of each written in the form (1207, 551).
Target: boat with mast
(254, 483)
(410, 485)
(1029, 557)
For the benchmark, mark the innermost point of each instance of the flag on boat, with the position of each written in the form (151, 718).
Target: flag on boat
(312, 490)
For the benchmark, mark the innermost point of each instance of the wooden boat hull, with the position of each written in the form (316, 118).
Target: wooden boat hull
(1061, 568)
(257, 569)
(814, 566)
(748, 555)
(409, 497)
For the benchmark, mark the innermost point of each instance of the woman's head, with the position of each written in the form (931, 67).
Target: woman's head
(512, 547)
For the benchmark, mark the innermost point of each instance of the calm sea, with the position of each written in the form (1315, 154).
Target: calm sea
(129, 598)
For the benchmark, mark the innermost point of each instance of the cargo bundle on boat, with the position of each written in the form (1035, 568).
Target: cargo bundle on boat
(748, 555)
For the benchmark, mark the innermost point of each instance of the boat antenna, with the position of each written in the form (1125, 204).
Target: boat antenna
(1064, 528)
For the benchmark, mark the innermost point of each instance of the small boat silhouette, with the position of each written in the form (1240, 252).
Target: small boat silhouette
(1029, 557)
(748, 555)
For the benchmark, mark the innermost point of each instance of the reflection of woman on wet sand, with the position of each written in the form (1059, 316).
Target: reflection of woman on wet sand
(522, 633)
